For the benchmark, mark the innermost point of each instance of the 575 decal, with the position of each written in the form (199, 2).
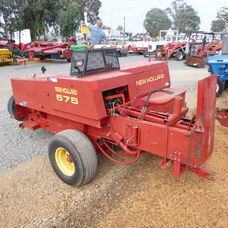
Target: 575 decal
(66, 99)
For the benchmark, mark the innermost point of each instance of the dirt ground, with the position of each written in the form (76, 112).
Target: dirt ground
(139, 195)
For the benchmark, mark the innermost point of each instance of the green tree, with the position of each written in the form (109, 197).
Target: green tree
(72, 13)
(119, 28)
(92, 7)
(218, 25)
(9, 12)
(184, 17)
(223, 14)
(38, 16)
(156, 20)
(69, 19)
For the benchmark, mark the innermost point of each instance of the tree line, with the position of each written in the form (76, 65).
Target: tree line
(182, 17)
(64, 16)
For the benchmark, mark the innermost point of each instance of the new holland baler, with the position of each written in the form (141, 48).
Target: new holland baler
(121, 113)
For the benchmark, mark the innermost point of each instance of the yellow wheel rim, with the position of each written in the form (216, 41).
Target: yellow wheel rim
(64, 161)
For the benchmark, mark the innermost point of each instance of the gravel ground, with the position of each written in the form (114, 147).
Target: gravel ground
(140, 195)
(19, 145)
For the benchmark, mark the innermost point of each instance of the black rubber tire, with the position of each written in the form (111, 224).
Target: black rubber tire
(219, 87)
(129, 49)
(226, 85)
(146, 54)
(11, 107)
(179, 55)
(122, 53)
(83, 154)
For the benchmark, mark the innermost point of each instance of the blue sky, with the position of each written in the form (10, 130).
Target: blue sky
(113, 11)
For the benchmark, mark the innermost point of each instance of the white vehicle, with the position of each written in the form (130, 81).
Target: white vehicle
(165, 36)
(137, 46)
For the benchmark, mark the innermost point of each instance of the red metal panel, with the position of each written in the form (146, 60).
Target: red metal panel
(85, 101)
(147, 76)
(205, 118)
(53, 50)
(40, 94)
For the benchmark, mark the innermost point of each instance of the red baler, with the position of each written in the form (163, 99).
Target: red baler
(119, 112)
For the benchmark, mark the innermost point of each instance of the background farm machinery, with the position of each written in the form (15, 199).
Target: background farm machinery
(148, 47)
(102, 107)
(50, 50)
(218, 64)
(190, 48)
(173, 49)
(199, 52)
(165, 37)
(26, 52)
(22, 53)
(9, 52)
(6, 56)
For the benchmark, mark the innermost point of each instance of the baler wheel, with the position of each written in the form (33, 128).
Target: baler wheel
(11, 107)
(73, 157)
(219, 88)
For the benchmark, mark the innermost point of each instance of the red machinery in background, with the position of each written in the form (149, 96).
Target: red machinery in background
(204, 44)
(100, 106)
(199, 53)
(39, 49)
(51, 50)
(16, 49)
(172, 49)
